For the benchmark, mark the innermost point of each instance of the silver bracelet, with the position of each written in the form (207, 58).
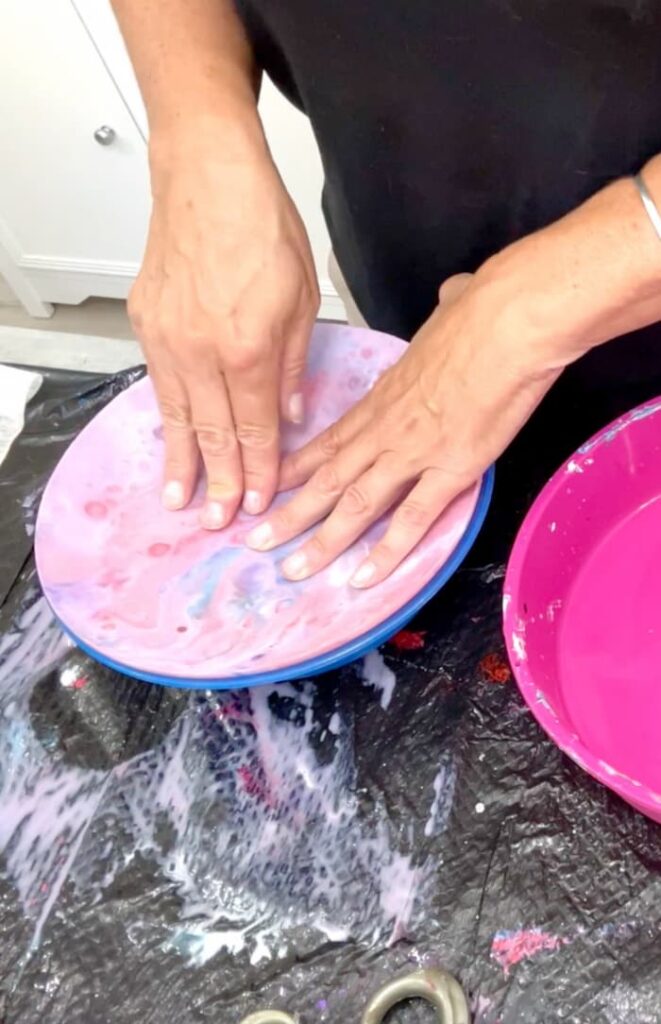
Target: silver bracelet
(651, 208)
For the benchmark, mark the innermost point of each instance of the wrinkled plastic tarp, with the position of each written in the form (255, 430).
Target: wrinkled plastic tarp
(170, 857)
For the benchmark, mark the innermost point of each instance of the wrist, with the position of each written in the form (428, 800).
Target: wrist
(512, 304)
(587, 278)
(232, 133)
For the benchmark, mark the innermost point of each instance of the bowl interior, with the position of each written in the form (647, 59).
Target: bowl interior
(582, 603)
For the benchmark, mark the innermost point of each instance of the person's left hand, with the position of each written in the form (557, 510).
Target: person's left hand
(432, 424)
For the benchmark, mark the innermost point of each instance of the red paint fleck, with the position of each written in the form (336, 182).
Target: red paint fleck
(79, 683)
(234, 712)
(495, 669)
(407, 640)
(44, 887)
(96, 509)
(158, 549)
(255, 785)
(510, 948)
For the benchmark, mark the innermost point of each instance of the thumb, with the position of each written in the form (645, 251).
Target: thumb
(452, 288)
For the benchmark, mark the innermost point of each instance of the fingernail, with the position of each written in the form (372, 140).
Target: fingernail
(261, 538)
(364, 575)
(296, 567)
(252, 502)
(296, 410)
(173, 495)
(213, 515)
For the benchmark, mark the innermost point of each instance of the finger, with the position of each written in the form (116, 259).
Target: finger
(181, 451)
(299, 466)
(361, 504)
(255, 407)
(293, 370)
(316, 499)
(410, 522)
(214, 428)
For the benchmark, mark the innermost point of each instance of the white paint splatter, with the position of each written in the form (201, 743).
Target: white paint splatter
(260, 952)
(544, 702)
(519, 646)
(480, 808)
(199, 946)
(481, 1008)
(287, 846)
(444, 786)
(612, 432)
(376, 673)
(69, 677)
(400, 882)
(333, 932)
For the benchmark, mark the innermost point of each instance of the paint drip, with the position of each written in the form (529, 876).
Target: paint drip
(258, 834)
(444, 786)
(376, 673)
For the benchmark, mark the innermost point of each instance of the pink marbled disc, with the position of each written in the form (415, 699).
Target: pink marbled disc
(150, 590)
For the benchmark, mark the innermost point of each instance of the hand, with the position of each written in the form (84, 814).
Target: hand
(429, 428)
(223, 305)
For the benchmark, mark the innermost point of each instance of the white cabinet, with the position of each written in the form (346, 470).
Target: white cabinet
(74, 189)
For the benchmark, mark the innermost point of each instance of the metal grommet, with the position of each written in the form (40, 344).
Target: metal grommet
(436, 987)
(269, 1017)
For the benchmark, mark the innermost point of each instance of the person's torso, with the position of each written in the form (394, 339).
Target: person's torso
(449, 128)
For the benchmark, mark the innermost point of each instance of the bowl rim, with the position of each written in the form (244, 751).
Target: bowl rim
(641, 795)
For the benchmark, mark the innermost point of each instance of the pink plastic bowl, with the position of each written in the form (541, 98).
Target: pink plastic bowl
(582, 608)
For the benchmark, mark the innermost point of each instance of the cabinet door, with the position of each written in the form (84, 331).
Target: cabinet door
(288, 131)
(74, 191)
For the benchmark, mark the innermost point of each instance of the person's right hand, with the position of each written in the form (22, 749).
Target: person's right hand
(223, 306)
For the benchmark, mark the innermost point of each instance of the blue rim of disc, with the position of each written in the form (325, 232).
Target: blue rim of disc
(343, 655)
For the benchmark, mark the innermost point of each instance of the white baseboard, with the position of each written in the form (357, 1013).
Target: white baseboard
(332, 307)
(19, 283)
(71, 281)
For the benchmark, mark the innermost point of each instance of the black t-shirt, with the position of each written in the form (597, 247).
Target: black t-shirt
(449, 128)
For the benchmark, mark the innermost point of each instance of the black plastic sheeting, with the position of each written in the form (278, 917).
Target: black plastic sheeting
(170, 857)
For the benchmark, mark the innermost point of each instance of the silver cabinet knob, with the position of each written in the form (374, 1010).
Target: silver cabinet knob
(105, 135)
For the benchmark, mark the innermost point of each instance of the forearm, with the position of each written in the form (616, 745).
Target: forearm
(589, 277)
(195, 69)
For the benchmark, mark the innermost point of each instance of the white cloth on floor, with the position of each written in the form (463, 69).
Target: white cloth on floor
(17, 387)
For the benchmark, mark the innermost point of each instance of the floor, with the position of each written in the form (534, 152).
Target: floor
(94, 336)
(104, 317)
